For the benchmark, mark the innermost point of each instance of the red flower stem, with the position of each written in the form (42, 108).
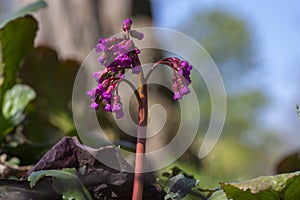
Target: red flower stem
(138, 182)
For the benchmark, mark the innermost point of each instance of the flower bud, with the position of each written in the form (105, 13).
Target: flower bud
(127, 24)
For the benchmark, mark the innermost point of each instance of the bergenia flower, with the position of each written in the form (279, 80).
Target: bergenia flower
(118, 54)
(181, 81)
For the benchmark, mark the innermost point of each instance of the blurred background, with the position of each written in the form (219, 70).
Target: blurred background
(254, 44)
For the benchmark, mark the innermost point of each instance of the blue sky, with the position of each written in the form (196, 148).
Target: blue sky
(276, 27)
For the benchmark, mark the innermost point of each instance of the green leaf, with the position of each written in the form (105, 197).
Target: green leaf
(24, 11)
(15, 100)
(65, 182)
(16, 41)
(278, 187)
(178, 187)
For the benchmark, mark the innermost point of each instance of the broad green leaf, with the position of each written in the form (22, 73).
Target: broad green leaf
(65, 182)
(15, 100)
(16, 40)
(278, 187)
(179, 186)
(24, 11)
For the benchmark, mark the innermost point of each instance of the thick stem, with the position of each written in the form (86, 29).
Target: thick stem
(138, 183)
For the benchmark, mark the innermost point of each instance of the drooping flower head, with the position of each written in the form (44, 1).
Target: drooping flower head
(181, 81)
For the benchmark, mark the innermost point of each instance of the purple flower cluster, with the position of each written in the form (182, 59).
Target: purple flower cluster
(181, 80)
(117, 55)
